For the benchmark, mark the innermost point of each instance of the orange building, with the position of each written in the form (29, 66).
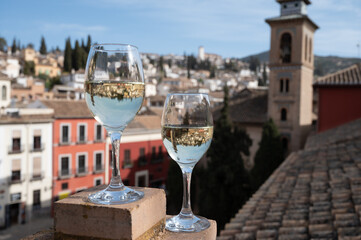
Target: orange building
(79, 148)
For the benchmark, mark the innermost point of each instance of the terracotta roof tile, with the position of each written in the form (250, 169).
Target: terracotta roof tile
(249, 106)
(347, 76)
(314, 194)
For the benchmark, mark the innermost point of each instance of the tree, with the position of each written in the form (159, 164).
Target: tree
(67, 56)
(29, 68)
(88, 44)
(50, 82)
(264, 75)
(225, 182)
(77, 56)
(3, 44)
(212, 72)
(43, 50)
(253, 64)
(13, 47)
(269, 155)
(30, 45)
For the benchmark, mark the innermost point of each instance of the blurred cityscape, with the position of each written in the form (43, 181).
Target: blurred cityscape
(51, 146)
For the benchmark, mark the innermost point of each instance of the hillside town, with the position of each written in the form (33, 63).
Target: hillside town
(56, 147)
(297, 134)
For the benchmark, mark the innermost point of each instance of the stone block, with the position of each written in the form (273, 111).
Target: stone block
(143, 219)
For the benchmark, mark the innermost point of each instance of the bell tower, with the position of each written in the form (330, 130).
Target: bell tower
(291, 72)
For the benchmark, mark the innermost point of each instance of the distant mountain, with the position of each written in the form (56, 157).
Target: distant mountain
(262, 57)
(323, 65)
(331, 64)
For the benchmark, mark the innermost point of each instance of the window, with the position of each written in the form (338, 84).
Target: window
(281, 85)
(283, 114)
(287, 85)
(284, 5)
(154, 153)
(98, 132)
(81, 133)
(64, 166)
(142, 160)
(160, 153)
(3, 93)
(16, 145)
(37, 143)
(306, 50)
(310, 51)
(16, 170)
(142, 178)
(36, 199)
(16, 142)
(36, 167)
(98, 162)
(65, 138)
(127, 161)
(286, 48)
(64, 186)
(82, 163)
(97, 181)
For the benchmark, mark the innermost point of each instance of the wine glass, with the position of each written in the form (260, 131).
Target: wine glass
(114, 92)
(187, 130)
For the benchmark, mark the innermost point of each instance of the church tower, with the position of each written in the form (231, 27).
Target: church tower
(291, 72)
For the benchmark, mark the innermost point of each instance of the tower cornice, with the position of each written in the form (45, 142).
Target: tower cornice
(292, 18)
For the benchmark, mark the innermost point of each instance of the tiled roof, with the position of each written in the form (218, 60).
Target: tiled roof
(3, 76)
(314, 194)
(347, 76)
(68, 108)
(248, 106)
(31, 118)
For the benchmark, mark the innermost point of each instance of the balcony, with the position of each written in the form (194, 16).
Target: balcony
(127, 164)
(65, 173)
(98, 139)
(64, 141)
(98, 169)
(82, 140)
(37, 147)
(142, 161)
(157, 159)
(81, 171)
(15, 149)
(16, 178)
(37, 176)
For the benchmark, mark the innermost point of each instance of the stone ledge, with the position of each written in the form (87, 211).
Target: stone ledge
(143, 219)
(208, 234)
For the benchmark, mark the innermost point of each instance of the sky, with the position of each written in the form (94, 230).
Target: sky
(230, 28)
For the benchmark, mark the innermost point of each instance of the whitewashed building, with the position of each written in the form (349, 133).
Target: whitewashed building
(25, 165)
(5, 88)
(74, 79)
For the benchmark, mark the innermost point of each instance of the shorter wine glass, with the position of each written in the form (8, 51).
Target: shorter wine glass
(187, 130)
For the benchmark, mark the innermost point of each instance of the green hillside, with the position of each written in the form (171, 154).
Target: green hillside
(323, 65)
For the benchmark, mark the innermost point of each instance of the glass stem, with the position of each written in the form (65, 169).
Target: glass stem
(186, 206)
(115, 181)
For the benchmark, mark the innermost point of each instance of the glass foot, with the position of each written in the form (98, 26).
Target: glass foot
(115, 196)
(186, 223)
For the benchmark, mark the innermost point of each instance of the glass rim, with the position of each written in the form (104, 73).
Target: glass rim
(114, 44)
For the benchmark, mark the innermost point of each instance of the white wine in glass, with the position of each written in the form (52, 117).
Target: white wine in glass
(114, 92)
(187, 131)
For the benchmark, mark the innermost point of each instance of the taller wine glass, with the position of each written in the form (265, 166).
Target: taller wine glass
(114, 92)
(187, 131)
